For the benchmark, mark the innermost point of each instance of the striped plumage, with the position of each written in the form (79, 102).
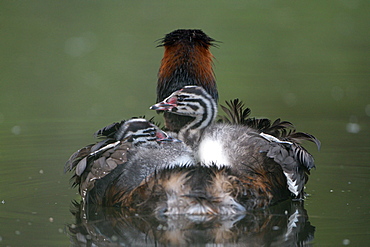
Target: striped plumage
(242, 148)
(98, 167)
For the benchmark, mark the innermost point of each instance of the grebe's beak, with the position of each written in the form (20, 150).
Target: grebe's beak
(163, 106)
(166, 105)
(164, 137)
(169, 139)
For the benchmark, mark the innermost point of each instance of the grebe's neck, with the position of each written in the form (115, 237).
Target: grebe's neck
(187, 60)
(192, 132)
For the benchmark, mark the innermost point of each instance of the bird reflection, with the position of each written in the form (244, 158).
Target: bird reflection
(285, 224)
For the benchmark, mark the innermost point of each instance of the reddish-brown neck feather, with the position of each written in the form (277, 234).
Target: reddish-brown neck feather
(186, 61)
(197, 59)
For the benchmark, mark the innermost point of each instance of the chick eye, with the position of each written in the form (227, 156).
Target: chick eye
(180, 98)
(153, 133)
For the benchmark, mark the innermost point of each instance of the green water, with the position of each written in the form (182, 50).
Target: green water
(69, 68)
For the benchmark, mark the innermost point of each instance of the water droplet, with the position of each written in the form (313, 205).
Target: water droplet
(51, 219)
(275, 228)
(17, 232)
(41, 171)
(331, 191)
(346, 242)
(74, 46)
(79, 46)
(353, 128)
(16, 130)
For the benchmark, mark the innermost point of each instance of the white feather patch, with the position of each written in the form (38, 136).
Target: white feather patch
(109, 146)
(292, 186)
(212, 152)
(273, 138)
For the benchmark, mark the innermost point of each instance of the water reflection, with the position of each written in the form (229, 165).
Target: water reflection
(285, 224)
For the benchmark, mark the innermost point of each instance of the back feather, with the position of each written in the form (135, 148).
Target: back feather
(237, 113)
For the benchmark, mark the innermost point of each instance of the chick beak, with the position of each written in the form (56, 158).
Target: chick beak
(162, 106)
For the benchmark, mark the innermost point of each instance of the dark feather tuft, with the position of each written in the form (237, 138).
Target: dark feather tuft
(109, 131)
(236, 114)
(301, 136)
(187, 36)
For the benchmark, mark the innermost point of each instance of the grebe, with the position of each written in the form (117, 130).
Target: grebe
(280, 163)
(130, 151)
